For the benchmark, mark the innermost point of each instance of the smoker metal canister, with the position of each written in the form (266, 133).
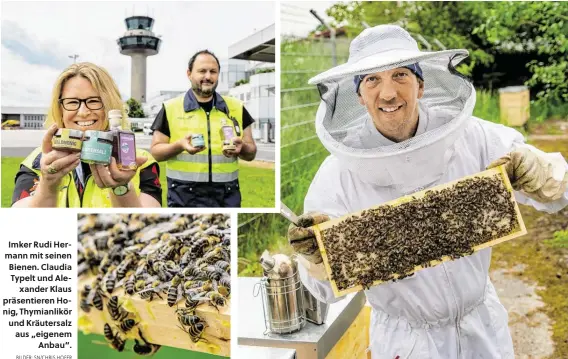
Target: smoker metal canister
(282, 296)
(284, 304)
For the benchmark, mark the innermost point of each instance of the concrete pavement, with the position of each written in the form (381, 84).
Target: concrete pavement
(19, 143)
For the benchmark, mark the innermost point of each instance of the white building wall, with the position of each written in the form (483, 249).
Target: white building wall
(258, 96)
(231, 71)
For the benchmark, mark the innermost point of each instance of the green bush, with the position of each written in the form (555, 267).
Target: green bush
(241, 82)
(135, 109)
(264, 71)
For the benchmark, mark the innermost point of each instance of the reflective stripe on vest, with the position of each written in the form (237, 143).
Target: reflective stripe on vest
(200, 158)
(93, 196)
(195, 168)
(201, 176)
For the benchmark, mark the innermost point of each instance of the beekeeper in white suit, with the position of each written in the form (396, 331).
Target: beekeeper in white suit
(408, 125)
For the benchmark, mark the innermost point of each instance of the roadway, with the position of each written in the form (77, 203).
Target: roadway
(19, 143)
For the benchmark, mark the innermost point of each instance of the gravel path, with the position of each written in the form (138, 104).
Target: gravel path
(530, 328)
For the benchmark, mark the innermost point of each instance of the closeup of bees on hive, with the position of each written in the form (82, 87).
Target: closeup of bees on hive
(389, 241)
(135, 270)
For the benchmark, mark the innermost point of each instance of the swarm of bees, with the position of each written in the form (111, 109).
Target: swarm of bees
(390, 240)
(179, 258)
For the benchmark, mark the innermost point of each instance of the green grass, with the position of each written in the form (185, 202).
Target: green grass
(487, 106)
(92, 347)
(257, 184)
(560, 239)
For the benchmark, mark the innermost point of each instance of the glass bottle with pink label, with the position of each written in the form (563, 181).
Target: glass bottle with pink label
(124, 142)
(228, 133)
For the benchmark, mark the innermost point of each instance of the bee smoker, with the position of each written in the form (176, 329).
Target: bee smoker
(316, 311)
(282, 294)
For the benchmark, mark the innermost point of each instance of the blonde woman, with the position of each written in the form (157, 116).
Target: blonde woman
(82, 97)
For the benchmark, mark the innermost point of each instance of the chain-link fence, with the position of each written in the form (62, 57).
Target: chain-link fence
(305, 52)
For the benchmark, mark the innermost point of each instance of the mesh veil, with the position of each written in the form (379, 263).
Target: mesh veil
(448, 99)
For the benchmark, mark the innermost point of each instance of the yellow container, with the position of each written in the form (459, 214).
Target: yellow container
(514, 103)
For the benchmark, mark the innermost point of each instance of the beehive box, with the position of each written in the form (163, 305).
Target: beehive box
(514, 105)
(165, 262)
(159, 323)
(403, 236)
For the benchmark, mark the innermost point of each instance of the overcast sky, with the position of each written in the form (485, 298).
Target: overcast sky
(38, 37)
(296, 18)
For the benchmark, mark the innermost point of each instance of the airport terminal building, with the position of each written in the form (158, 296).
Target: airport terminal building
(21, 117)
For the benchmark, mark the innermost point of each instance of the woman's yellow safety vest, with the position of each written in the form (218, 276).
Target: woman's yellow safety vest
(196, 168)
(93, 195)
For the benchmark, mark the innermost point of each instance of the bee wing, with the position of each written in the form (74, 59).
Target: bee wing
(200, 296)
(132, 248)
(91, 296)
(151, 289)
(211, 229)
(180, 292)
(163, 287)
(122, 281)
(151, 248)
(82, 268)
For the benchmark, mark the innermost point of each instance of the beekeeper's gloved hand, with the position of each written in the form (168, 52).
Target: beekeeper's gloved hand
(542, 179)
(303, 241)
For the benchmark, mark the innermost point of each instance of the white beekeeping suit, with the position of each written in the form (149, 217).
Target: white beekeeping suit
(451, 310)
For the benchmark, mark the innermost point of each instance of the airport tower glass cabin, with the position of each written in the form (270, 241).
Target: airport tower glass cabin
(139, 42)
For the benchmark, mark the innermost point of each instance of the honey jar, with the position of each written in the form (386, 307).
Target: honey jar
(67, 140)
(97, 147)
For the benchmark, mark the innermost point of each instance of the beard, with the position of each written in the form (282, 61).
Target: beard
(198, 89)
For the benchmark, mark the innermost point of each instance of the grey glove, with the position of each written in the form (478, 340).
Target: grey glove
(533, 175)
(303, 239)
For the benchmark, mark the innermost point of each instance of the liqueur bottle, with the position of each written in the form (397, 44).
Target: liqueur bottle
(124, 142)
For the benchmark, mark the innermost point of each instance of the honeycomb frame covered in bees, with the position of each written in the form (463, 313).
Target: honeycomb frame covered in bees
(400, 237)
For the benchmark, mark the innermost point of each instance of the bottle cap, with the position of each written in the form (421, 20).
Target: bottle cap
(115, 113)
(115, 117)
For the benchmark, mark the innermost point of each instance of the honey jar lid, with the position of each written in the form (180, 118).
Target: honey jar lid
(99, 134)
(70, 132)
(75, 133)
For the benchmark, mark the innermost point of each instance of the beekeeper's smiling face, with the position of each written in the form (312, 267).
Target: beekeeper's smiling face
(391, 98)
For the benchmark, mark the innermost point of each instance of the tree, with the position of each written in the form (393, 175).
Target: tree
(135, 109)
(541, 27)
(535, 33)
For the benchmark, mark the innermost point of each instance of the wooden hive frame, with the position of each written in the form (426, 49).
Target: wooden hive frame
(159, 322)
(521, 229)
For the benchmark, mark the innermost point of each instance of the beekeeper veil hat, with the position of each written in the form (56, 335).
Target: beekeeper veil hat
(447, 105)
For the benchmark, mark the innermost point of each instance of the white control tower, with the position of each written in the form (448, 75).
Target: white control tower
(139, 42)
